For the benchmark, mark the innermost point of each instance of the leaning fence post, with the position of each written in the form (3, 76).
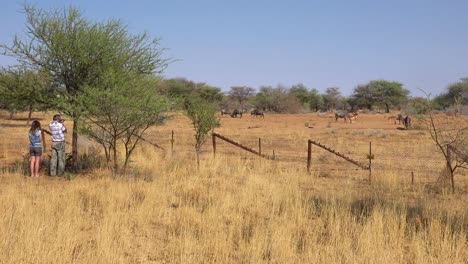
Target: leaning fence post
(213, 138)
(309, 155)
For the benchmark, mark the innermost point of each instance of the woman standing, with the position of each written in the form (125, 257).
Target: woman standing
(35, 147)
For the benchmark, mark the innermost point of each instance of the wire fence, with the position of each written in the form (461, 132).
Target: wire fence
(407, 158)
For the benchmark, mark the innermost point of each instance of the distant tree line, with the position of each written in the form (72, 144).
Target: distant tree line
(377, 95)
(26, 90)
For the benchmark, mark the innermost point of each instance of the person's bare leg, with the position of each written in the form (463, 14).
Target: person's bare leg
(38, 163)
(31, 164)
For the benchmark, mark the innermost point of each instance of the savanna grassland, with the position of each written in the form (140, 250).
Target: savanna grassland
(239, 208)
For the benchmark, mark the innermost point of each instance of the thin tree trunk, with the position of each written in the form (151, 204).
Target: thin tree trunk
(75, 146)
(449, 168)
(127, 157)
(115, 156)
(106, 153)
(198, 159)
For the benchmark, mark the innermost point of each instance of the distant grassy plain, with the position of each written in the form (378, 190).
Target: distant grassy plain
(239, 208)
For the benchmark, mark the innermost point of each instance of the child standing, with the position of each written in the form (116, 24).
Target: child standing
(35, 147)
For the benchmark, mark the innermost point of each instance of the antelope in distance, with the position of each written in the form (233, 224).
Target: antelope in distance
(256, 113)
(352, 117)
(234, 113)
(407, 122)
(346, 116)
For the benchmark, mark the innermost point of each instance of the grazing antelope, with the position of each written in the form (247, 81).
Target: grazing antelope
(340, 115)
(352, 117)
(236, 112)
(407, 122)
(256, 113)
(346, 116)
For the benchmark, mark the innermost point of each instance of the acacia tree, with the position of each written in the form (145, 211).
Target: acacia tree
(203, 117)
(380, 92)
(301, 93)
(456, 96)
(264, 98)
(120, 110)
(76, 52)
(278, 99)
(22, 89)
(10, 84)
(332, 97)
(241, 94)
(315, 100)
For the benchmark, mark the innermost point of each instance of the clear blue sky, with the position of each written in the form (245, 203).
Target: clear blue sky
(420, 43)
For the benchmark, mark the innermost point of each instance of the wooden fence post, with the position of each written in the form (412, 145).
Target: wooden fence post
(412, 178)
(213, 137)
(370, 161)
(172, 143)
(309, 155)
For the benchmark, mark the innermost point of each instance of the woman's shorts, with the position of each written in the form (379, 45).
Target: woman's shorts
(35, 151)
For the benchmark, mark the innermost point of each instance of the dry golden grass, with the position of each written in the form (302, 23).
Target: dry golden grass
(238, 208)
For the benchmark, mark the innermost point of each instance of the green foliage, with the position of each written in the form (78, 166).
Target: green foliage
(241, 94)
(179, 89)
(441, 102)
(458, 91)
(120, 109)
(22, 89)
(456, 95)
(279, 99)
(316, 101)
(210, 93)
(264, 98)
(332, 98)
(204, 119)
(301, 93)
(419, 106)
(381, 92)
